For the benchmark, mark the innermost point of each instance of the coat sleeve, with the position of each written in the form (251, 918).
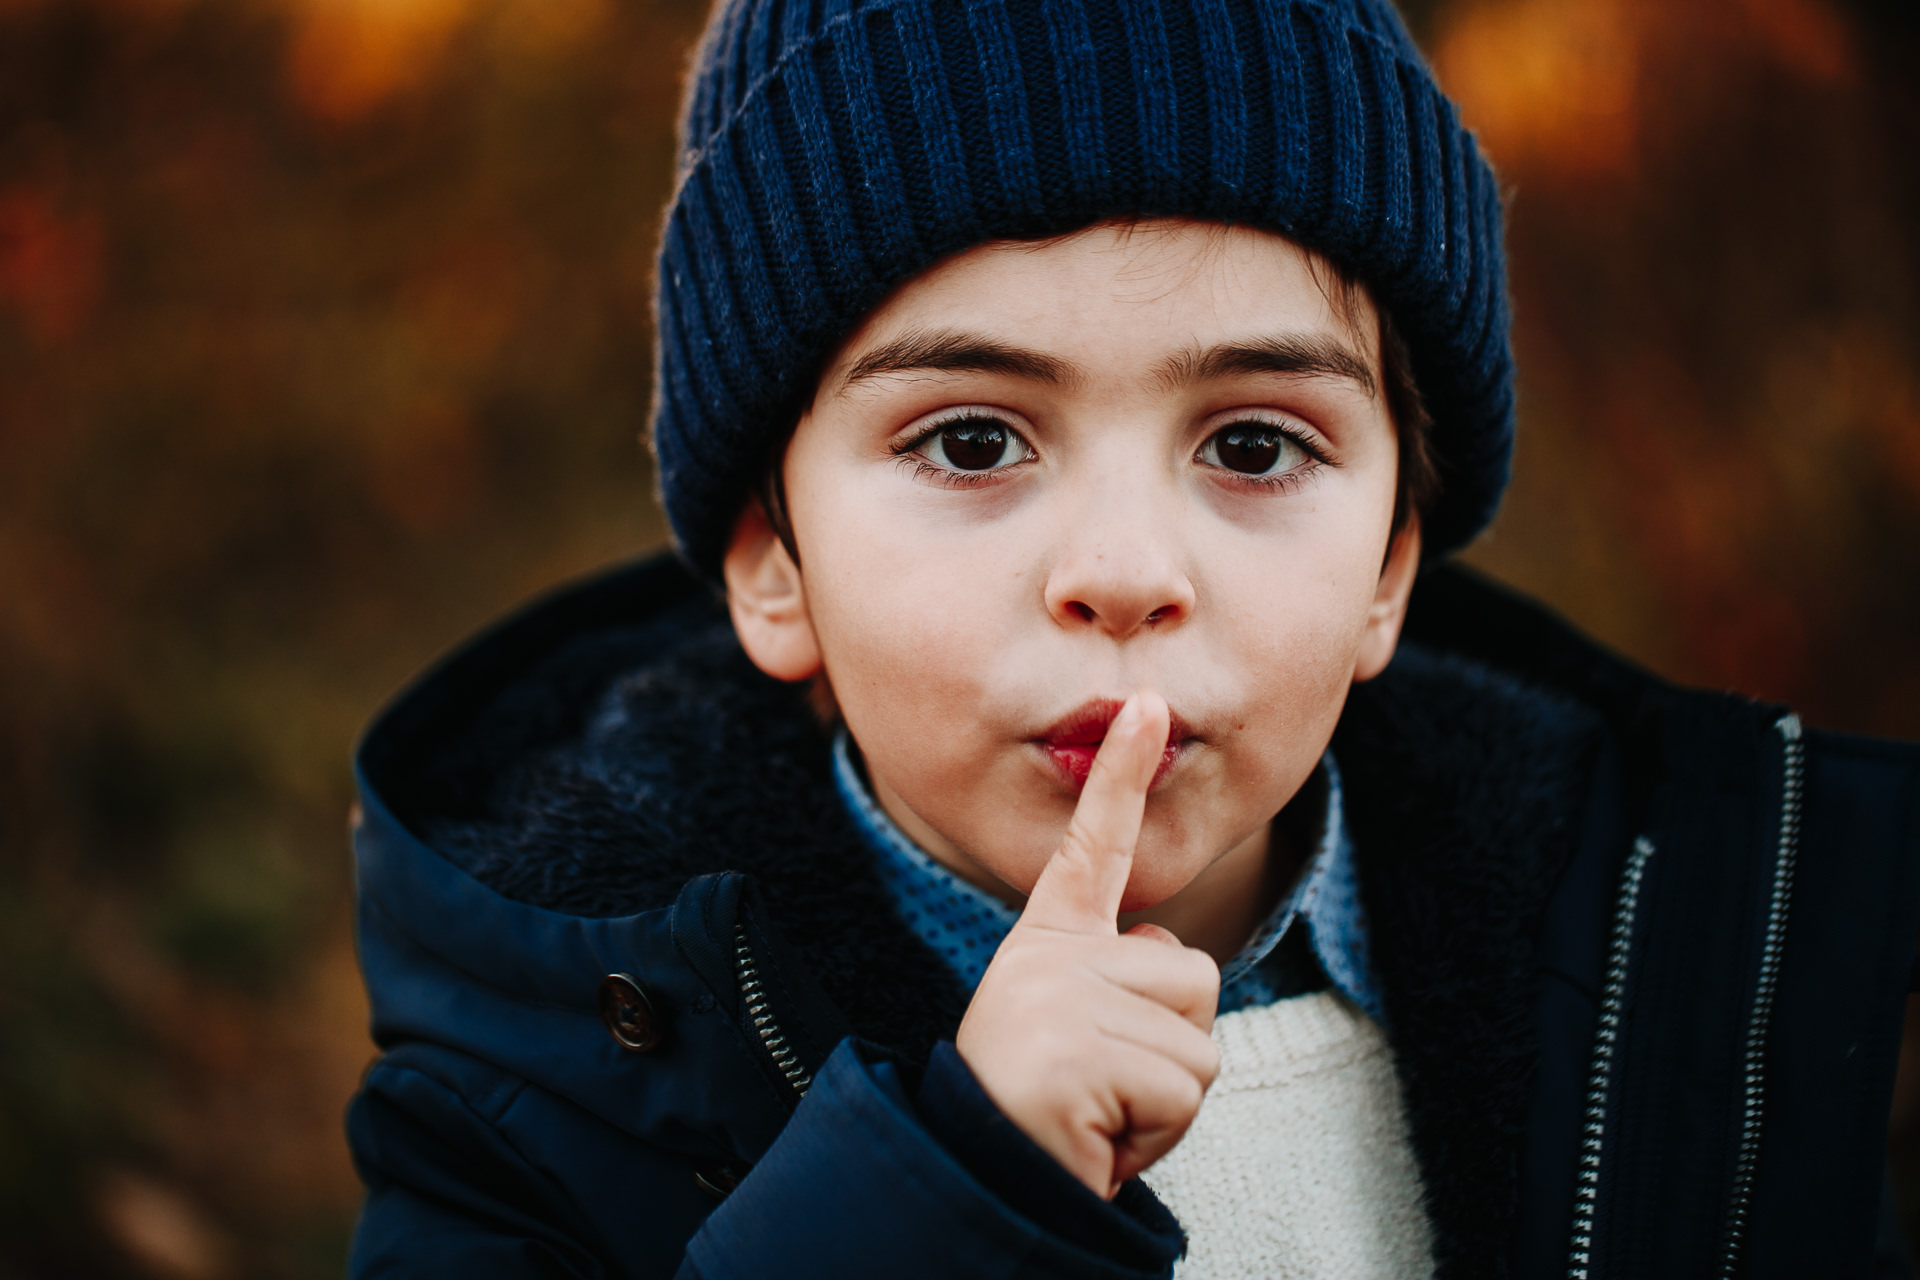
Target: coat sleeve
(858, 1184)
(449, 1196)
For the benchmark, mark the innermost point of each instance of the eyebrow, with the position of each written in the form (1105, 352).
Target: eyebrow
(953, 351)
(948, 351)
(1295, 355)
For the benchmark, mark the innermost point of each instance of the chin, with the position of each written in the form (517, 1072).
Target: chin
(1150, 886)
(1132, 904)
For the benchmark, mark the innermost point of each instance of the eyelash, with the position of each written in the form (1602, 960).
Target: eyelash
(924, 470)
(906, 453)
(1289, 481)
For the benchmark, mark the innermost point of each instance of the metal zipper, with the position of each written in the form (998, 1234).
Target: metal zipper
(1600, 1078)
(760, 1014)
(1754, 1070)
(1753, 1073)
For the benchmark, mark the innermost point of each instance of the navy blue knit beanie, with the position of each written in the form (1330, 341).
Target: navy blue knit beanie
(833, 148)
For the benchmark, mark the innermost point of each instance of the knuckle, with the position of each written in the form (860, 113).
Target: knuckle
(1078, 847)
(1202, 972)
(1168, 1089)
(1209, 1063)
(1186, 1093)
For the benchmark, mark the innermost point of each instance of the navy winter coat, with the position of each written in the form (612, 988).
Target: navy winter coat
(1644, 955)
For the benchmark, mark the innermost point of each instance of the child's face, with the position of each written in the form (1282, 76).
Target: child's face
(1041, 477)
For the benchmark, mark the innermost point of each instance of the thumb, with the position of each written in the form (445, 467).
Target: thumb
(1081, 886)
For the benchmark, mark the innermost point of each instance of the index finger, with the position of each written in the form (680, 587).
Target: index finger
(1080, 888)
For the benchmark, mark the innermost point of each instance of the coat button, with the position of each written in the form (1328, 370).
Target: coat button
(628, 1013)
(718, 1178)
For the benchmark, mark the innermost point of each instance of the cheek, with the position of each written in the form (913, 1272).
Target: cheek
(912, 634)
(1295, 642)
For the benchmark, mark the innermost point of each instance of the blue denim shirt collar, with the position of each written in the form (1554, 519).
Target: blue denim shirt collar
(965, 924)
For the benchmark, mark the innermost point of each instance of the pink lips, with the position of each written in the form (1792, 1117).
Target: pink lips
(1072, 741)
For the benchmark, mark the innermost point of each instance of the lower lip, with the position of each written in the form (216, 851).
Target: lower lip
(1074, 761)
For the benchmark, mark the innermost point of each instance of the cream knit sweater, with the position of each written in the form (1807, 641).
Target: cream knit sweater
(1299, 1163)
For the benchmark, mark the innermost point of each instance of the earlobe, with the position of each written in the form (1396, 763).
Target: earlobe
(768, 600)
(1389, 608)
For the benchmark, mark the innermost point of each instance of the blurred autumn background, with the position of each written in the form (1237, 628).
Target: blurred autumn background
(324, 336)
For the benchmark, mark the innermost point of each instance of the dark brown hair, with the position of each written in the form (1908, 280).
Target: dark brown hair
(1417, 485)
(1417, 478)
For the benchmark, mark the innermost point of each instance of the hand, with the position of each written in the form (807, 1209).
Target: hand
(1097, 1043)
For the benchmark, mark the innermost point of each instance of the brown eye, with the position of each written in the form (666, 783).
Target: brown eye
(975, 444)
(1252, 449)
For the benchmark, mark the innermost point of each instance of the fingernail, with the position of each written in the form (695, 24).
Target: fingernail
(1128, 718)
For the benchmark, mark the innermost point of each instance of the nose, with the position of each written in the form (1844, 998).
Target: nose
(1118, 572)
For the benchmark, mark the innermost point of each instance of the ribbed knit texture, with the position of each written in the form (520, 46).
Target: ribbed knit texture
(833, 148)
(1299, 1164)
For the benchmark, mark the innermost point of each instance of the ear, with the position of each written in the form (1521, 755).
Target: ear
(1389, 607)
(767, 599)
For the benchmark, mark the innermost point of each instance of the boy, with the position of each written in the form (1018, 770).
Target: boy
(1053, 829)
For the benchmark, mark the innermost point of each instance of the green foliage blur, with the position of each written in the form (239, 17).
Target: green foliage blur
(325, 336)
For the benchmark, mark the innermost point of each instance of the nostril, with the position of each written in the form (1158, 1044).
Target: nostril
(1080, 611)
(1159, 614)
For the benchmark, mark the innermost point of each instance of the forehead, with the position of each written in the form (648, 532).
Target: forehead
(1114, 295)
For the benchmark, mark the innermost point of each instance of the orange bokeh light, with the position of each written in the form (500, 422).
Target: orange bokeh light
(349, 56)
(1563, 87)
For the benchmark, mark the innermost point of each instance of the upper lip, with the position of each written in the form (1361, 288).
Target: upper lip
(1087, 725)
